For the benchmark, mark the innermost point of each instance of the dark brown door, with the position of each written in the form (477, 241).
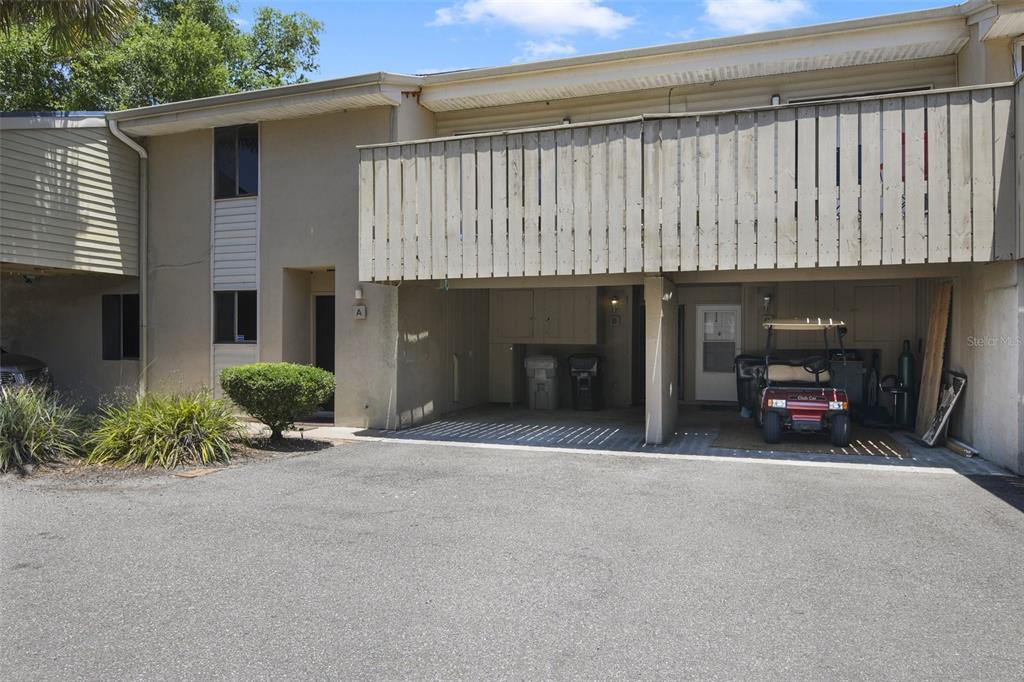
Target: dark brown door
(323, 344)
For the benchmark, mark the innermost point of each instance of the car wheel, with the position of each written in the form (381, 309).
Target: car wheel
(841, 430)
(771, 428)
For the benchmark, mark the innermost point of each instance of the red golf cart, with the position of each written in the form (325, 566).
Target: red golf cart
(800, 395)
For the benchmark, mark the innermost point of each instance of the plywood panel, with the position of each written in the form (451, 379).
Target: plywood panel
(484, 230)
(1004, 225)
(563, 191)
(652, 190)
(599, 199)
(669, 162)
(531, 200)
(892, 181)
(616, 198)
(960, 176)
(849, 183)
(581, 197)
(499, 206)
(746, 191)
(547, 199)
(983, 184)
(410, 265)
(938, 178)
(915, 217)
(688, 164)
(634, 198)
(365, 215)
(871, 183)
(424, 213)
(828, 191)
(806, 162)
(785, 212)
(438, 216)
(380, 213)
(468, 217)
(394, 245)
(453, 206)
(707, 190)
(727, 192)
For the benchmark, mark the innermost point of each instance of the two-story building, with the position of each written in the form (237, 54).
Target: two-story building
(417, 235)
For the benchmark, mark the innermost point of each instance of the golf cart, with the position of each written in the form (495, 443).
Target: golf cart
(800, 395)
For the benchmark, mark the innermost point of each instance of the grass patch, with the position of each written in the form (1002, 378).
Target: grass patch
(36, 427)
(165, 430)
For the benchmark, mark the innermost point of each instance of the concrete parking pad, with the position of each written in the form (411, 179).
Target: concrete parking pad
(385, 560)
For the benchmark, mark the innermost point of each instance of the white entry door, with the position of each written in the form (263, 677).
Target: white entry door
(718, 344)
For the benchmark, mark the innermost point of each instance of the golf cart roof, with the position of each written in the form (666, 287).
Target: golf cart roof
(803, 323)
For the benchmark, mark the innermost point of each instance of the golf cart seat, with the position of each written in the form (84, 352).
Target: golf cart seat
(783, 374)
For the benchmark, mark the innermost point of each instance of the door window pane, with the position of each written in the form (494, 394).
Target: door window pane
(719, 351)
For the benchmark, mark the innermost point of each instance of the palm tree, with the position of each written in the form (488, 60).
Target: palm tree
(72, 23)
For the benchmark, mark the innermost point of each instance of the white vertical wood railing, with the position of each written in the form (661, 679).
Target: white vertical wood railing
(919, 178)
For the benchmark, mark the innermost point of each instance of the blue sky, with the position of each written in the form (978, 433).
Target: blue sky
(439, 35)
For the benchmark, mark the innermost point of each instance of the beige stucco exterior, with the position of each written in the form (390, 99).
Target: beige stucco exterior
(423, 348)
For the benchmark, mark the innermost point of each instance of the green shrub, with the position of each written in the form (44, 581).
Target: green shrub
(36, 426)
(277, 393)
(164, 429)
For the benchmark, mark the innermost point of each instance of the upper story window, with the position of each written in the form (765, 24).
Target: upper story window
(236, 160)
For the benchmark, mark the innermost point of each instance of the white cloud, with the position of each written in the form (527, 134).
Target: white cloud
(751, 16)
(543, 17)
(545, 49)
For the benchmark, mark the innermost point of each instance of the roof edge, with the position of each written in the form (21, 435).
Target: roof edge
(847, 25)
(381, 78)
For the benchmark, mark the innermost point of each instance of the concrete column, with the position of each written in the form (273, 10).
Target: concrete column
(662, 359)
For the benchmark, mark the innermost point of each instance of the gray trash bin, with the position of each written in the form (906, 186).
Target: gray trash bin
(542, 377)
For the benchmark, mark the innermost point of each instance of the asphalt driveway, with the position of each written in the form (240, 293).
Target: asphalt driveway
(397, 560)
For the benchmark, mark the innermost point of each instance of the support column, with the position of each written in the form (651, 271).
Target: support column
(662, 359)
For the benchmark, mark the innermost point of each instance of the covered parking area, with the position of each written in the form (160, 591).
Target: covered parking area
(461, 353)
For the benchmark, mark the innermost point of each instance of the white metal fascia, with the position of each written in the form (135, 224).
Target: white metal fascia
(304, 99)
(942, 35)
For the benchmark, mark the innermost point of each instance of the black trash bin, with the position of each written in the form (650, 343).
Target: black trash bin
(586, 384)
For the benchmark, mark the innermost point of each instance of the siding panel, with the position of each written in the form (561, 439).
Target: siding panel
(235, 244)
(68, 199)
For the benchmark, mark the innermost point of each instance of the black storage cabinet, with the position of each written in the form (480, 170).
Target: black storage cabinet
(586, 381)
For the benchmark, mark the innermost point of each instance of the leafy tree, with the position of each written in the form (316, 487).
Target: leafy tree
(70, 23)
(173, 50)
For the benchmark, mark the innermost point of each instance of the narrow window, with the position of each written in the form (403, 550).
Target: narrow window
(236, 161)
(111, 327)
(130, 326)
(235, 317)
(120, 326)
(224, 317)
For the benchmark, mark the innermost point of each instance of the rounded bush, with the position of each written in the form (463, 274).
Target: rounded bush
(36, 426)
(165, 430)
(277, 393)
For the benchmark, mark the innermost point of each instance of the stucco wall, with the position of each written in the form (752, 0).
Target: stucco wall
(308, 221)
(180, 195)
(58, 319)
(985, 344)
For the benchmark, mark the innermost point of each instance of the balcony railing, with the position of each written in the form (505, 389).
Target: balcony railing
(926, 177)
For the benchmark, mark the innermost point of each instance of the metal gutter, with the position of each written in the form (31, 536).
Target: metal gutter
(143, 252)
(337, 84)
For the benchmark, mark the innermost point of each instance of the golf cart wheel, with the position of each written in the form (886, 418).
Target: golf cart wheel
(841, 430)
(771, 427)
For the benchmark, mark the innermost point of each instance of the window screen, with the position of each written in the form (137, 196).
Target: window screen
(224, 317)
(120, 326)
(235, 317)
(236, 161)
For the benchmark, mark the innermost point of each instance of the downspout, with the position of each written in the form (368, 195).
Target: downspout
(143, 251)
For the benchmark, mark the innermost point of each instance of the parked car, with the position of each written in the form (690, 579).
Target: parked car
(18, 370)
